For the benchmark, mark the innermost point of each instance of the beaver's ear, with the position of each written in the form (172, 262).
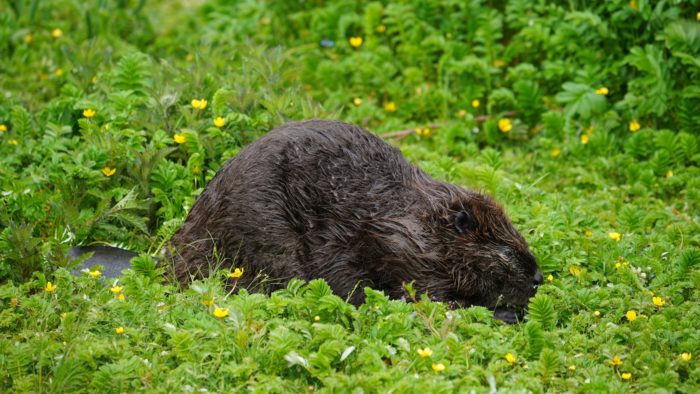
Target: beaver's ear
(464, 222)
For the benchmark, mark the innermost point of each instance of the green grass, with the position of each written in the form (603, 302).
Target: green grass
(421, 64)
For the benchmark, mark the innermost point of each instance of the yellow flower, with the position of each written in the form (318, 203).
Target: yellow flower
(669, 174)
(499, 63)
(633, 5)
(93, 79)
(356, 41)
(634, 126)
(108, 171)
(475, 103)
(602, 91)
(199, 104)
(12, 142)
(505, 125)
(15, 303)
(28, 38)
(626, 376)
(596, 313)
(179, 138)
(574, 270)
(439, 367)
(631, 315)
(426, 132)
(220, 312)
(462, 113)
(3, 128)
(584, 139)
(89, 113)
(572, 367)
(426, 352)
(615, 236)
(382, 28)
(120, 297)
(556, 152)
(116, 289)
(237, 273)
(219, 122)
(357, 101)
(550, 278)
(317, 318)
(589, 233)
(390, 106)
(56, 33)
(119, 330)
(618, 265)
(615, 361)
(697, 16)
(50, 287)
(95, 274)
(658, 301)
(58, 72)
(209, 302)
(686, 356)
(510, 358)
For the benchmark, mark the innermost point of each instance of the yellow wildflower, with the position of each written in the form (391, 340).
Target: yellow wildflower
(633, 5)
(116, 289)
(12, 142)
(93, 79)
(475, 103)
(317, 318)
(439, 367)
(602, 91)
(510, 358)
(626, 376)
(426, 352)
(550, 278)
(499, 63)
(634, 126)
(199, 104)
(209, 302)
(355, 42)
(669, 174)
(426, 132)
(697, 16)
(179, 138)
(686, 357)
(631, 315)
(615, 361)
(3, 128)
(357, 101)
(119, 330)
(58, 72)
(95, 274)
(14, 302)
(57, 33)
(555, 152)
(589, 233)
(658, 301)
(596, 313)
(462, 113)
(237, 273)
(219, 122)
(89, 113)
(28, 38)
(220, 312)
(574, 270)
(505, 125)
(584, 139)
(108, 171)
(50, 287)
(572, 367)
(120, 297)
(381, 28)
(390, 106)
(615, 236)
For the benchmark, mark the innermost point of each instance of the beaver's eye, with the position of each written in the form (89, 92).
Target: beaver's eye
(464, 222)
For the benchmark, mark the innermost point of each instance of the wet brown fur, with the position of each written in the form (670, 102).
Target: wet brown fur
(325, 199)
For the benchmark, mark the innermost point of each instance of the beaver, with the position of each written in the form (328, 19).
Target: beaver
(327, 199)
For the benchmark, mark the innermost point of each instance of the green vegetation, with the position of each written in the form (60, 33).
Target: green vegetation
(582, 118)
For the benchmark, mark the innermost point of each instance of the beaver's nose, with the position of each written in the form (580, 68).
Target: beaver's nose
(537, 279)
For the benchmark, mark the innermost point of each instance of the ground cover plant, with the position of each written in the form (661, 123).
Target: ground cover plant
(582, 118)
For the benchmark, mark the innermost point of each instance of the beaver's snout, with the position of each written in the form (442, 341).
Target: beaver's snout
(537, 279)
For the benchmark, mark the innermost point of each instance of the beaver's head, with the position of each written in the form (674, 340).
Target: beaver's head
(486, 260)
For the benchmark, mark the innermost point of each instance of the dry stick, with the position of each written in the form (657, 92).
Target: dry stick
(401, 134)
